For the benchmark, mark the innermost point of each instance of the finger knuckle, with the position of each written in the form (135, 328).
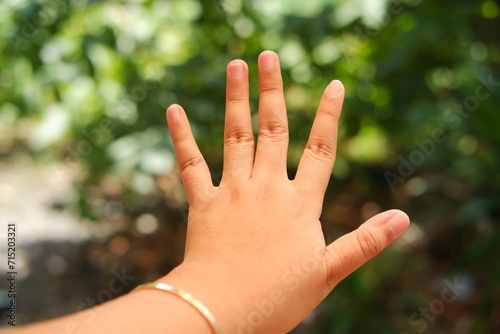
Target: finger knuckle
(273, 132)
(329, 112)
(191, 163)
(334, 267)
(236, 99)
(274, 87)
(369, 243)
(320, 149)
(238, 137)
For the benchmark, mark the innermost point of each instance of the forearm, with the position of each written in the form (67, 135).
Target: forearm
(142, 311)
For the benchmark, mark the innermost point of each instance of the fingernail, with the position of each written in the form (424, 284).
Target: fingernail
(334, 88)
(398, 223)
(236, 70)
(174, 113)
(267, 60)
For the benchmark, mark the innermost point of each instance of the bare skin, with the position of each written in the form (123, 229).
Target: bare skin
(255, 252)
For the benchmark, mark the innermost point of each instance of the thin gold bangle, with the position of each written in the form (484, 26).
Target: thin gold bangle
(202, 309)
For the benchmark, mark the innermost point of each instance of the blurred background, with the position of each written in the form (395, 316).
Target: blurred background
(88, 172)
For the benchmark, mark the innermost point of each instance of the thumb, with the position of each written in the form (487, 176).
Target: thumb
(351, 251)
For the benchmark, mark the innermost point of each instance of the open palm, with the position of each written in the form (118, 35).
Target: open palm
(256, 239)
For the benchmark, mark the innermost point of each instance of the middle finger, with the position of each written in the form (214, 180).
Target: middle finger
(272, 143)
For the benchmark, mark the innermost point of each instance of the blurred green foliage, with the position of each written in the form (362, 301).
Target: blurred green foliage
(84, 85)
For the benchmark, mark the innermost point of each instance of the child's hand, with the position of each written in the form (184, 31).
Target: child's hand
(255, 253)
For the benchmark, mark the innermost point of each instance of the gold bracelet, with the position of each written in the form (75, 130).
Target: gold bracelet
(202, 309)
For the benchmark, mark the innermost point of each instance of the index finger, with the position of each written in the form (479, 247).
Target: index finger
(316, 163)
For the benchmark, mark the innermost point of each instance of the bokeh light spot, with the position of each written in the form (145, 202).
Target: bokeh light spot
(489, 9)
(147, 223)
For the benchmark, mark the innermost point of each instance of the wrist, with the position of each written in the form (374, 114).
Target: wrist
(210, 288)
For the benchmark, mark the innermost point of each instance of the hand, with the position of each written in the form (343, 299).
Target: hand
(255, 251)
